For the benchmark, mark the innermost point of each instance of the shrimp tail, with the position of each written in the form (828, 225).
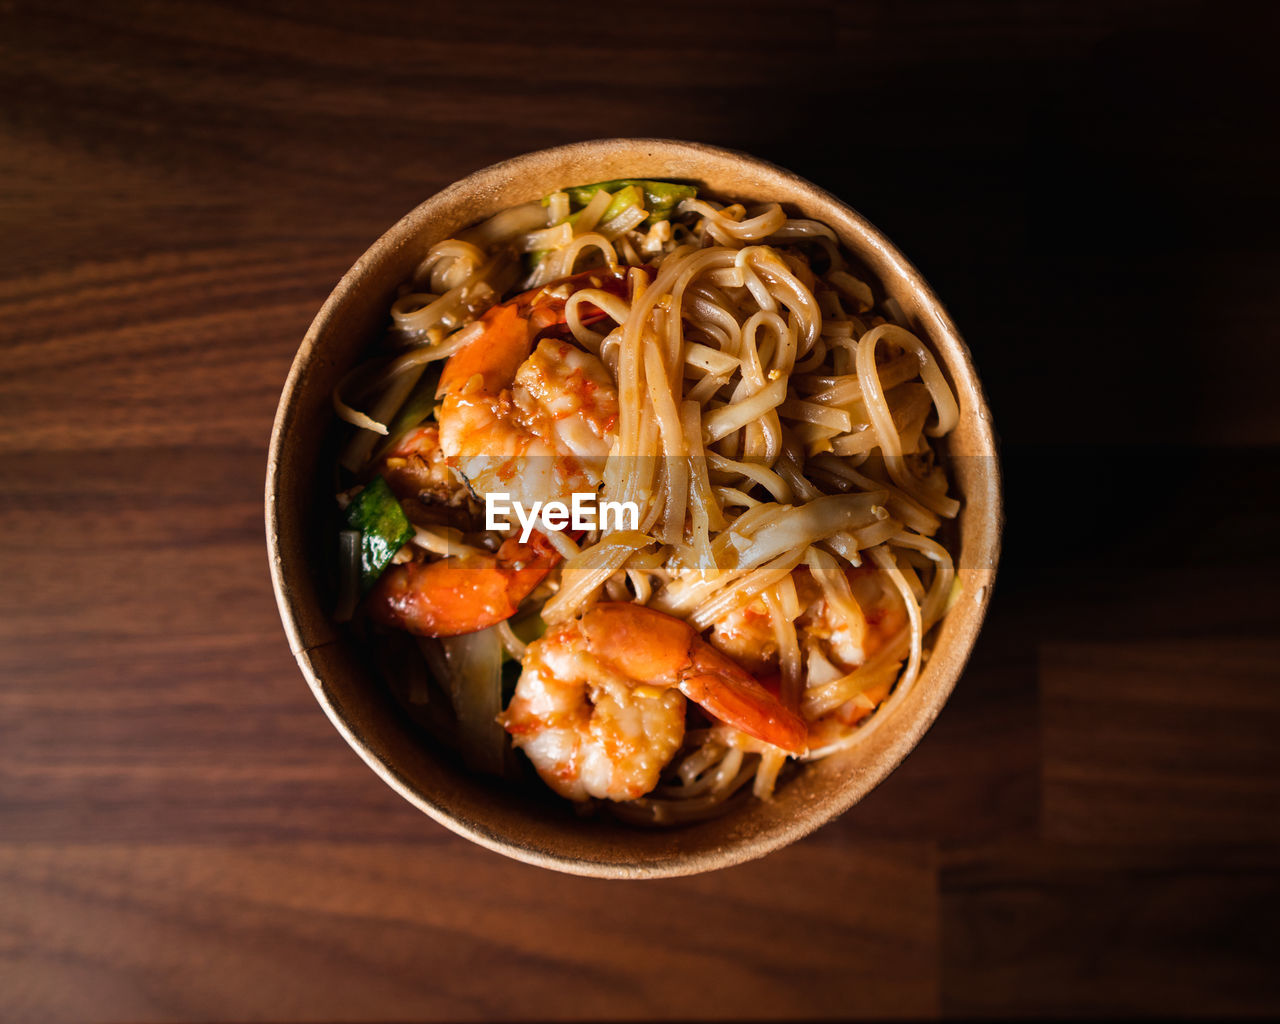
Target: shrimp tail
(455, 595)
(657, 648)
(720, 686)
(495, 354)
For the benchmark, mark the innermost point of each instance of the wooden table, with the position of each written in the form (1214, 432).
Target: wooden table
(1091, 826)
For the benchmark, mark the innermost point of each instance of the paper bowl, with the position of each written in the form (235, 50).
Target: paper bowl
(506, 818)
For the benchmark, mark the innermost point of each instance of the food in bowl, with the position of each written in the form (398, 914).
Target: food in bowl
(650, 480)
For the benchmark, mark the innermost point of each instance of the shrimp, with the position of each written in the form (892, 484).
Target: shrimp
(415, 469)
(509, 329)
(536, 425)
(543, 438)
(849, 640)
(599, 708)
(461, 594)
(835, 642)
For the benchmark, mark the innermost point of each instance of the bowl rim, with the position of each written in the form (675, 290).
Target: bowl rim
(308, 639)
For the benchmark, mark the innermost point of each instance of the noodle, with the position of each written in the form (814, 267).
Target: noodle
(774, 432)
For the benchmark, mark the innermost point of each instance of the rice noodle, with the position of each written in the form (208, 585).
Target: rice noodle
(775, 429)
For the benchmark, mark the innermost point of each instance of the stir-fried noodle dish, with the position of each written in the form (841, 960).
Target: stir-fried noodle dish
(643, 493)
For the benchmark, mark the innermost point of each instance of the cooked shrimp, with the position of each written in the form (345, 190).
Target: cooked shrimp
(599, 708)
(461, 594)
(415, 469)
(746, 634)
(538, 426)
(540, 438)
(510, 329)
(849, 640)
(835, 642)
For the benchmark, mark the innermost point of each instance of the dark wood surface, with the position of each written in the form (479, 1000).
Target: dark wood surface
(1090, 828)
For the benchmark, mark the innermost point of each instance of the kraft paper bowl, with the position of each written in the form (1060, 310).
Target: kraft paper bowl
(302, 549)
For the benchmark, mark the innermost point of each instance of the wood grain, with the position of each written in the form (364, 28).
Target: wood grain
(1174, 743)
(1067, 931)
(342, 931)
(1088, 829)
